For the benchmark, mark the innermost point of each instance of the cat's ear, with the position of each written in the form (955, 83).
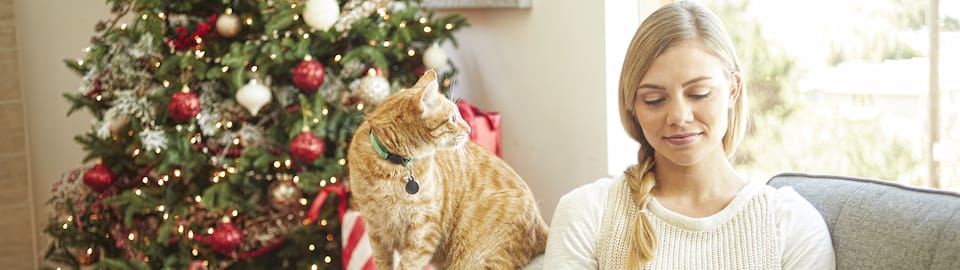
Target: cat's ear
(429, 91)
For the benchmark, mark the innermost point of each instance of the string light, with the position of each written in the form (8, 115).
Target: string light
(324, 111)
(315, 120)
(427, 29)
(65, 226)
(180, 229)
(198, 198)
(254, 68)
(423, 20)
(176, 172)
(161, 208)
(327, 259)
(313, 267)
(249, 21)
(336, 58)
(166, 177)
(403, 24)
(296, 179)
(165, 216)
(296, 17)
(216, 179)
(386, 43)
(323, 222)
(158, 150)
(143, 17)
(210, 230)
(342, 162)
(69, 218)
(293, 5)
(276, 164)
(333, 179)
(287, 163)
(306, 35)
(195, 252)
(303, 201)
(236, 141)
(273, 56)
(229, 124)
(411, 52)
(166, 83)
(162, 16)
(146, 180)
(311, 247)
(137, 191)
(131, 236)
(360, 106)
(99, 97)
(123, 26)
(449, 26)
(136, 152)
(234, 213)
(373, 42)
(231, 170)
(219, 124)
(224, 69)
(190, 234)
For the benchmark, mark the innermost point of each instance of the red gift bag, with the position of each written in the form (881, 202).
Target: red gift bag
(484, 126)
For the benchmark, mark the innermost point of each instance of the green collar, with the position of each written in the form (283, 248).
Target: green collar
(383, 153)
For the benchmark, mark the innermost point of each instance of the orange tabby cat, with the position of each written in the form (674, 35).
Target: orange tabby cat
(433, 196)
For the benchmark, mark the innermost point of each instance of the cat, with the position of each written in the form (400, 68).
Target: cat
(433, 196)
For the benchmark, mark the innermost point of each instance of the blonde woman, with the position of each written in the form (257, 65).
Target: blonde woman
(683, 206)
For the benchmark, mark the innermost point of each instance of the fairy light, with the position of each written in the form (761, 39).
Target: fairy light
(423, 20)
(130, 133)
(215, 179)
(161, 208)
(360, 106)
(324, 111)
(195, 252)
(403, 24)
(166, 83)
(210, 230)
(449, 26)
(236, 141)
(386, 43)
(180, 229)
(342, 162)
(373, 42)
(249, 21)
(411, 52)
(336, 58)
(99, 97)
(145, 180)
(231, 170)
(131, 236)
(166, 178)
(123, 26)
(160, 182)
(287, 163)
(276, 164)
(89, 250)
(65, 226)
(316, 120)
(313, 267)
(137, 191)
(234, 213)
(306, 35)
(293, 5)
(254, 68)
(323, 222)
(198, 198)
(177, 172)
(166, 216)
(303, 201)
(229, 124)
(427, 29)
(156, 65)
(333, 179)
(198, 40)
(224, 69)
(190, 234)
(143, 17)
(136, 152)
(311, 247)
(158, 151)
(327, 259)
(296, 179)
(199, 53)
(69, 218)
(323, 183)
(146, 259)
(162, 16)
(382, 12)
(219, 124)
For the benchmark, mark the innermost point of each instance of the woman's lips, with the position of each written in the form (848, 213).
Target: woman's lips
(682, 139)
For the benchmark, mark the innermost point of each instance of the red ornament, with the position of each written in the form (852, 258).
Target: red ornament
(183, 106)
(308, 75)
(306, 146)
(225, 238)
(99, 177)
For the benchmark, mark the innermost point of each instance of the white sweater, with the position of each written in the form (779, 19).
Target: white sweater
(730, 239)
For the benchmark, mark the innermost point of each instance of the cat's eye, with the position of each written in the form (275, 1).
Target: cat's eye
(453, 118)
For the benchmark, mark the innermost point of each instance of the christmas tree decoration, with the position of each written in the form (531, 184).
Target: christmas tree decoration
(163, 182)
(308, 75)
(99, 178)
(306, 146)
(253, 96)
(434, 57)
(321, 14)
(284, 194)
(225, 239)
(373, 88)
(228, 24)
(184, 105)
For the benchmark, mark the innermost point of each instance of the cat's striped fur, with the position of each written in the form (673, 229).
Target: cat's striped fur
(472, 211)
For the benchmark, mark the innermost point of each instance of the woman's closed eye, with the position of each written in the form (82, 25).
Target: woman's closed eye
(702, 95)
(653, 101)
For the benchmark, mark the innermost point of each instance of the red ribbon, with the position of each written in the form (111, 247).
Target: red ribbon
(321, 198)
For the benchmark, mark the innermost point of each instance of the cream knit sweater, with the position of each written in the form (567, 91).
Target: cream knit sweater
(761, 228)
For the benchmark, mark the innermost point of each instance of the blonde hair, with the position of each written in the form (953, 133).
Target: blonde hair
(670, 25)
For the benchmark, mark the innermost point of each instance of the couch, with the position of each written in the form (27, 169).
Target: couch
(883, 225)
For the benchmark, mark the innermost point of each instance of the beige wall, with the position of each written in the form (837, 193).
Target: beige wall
(48, 32)
(16, 209)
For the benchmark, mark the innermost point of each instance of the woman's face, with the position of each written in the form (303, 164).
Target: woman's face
(682, 104)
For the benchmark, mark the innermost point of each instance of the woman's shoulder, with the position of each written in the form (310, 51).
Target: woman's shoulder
(598, 188)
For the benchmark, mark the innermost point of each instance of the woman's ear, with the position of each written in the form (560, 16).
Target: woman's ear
(736, 88)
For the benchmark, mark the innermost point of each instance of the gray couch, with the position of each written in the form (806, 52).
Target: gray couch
(883, 225)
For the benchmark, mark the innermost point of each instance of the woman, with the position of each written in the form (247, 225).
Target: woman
(683, 206)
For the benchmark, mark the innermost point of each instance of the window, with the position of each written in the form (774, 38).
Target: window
(844, 87)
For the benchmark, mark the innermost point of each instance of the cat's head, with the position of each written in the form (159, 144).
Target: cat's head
(419, 119)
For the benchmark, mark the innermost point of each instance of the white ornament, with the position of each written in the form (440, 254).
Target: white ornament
(434, 57)
(373, 88)
(321, 14)
(228, 25)
(253, 96)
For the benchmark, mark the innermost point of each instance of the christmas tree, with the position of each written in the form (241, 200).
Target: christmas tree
(221, 128)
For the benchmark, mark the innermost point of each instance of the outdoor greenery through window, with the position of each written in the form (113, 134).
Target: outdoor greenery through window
(843, 87)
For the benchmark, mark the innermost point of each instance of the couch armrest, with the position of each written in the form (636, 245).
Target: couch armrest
(883, 225)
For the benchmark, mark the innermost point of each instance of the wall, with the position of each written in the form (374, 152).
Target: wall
(16, 209)
(50, 31)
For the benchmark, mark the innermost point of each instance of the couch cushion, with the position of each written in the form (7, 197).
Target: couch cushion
(883, 225)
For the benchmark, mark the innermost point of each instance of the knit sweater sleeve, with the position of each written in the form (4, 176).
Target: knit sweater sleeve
(576, 226)
(803, 232)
